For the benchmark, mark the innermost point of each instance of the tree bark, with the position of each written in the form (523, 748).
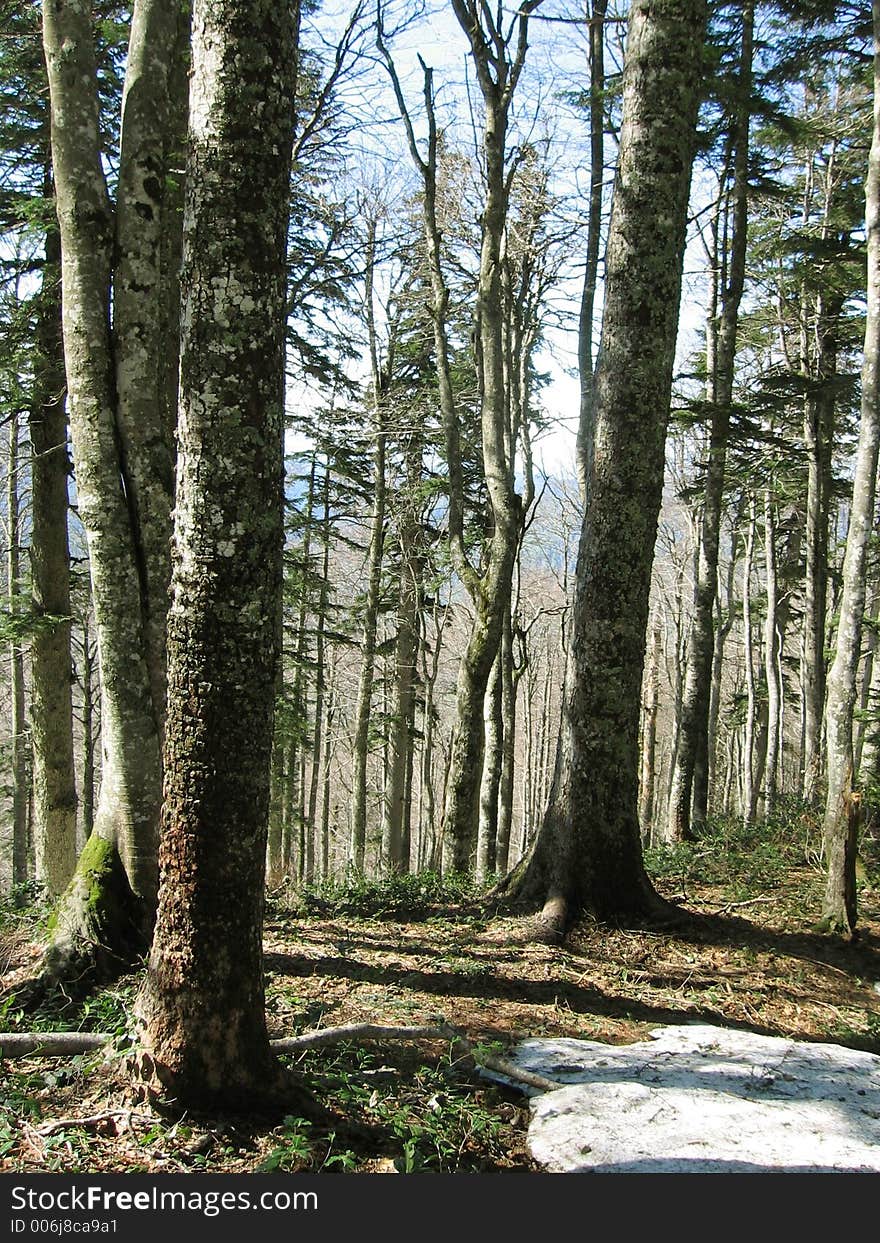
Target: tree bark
(51, 708)
(771, 656)
(648, 776)
(818, 435)
(750, 792)
(588, 854)
(396, 817)
(292, 802)
(508, 750)
(106, 915)
(722, 630)
(17, 735)
(490, 784)
(320, 677)
(839, 908)
(203, 1037)
(86, 675)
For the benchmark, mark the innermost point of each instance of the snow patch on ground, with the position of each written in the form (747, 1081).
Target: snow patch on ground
(701, 1099)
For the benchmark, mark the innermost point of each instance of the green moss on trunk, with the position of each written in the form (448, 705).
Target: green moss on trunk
(99, 928)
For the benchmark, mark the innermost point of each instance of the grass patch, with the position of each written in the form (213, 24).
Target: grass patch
(423, 1116)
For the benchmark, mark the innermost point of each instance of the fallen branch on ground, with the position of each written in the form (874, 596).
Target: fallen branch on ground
(65, 1044)
(51, 1044)
(67, 1124)
(735, 906)
(353, 1031)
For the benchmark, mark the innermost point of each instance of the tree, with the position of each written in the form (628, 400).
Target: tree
(588, 852)
(201, 1011)
(498, 55)
(27, 218)
(721, 351)
(839, 911)
(119, 326)
(51, 713)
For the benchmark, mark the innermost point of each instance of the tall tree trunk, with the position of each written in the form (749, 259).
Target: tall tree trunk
(201, 1011)
(596, 112)
(750, 794)
(292, 805)
(868, 754)
(868, 690)
(327, 777)
(723, 628)
(274, 837)
(498, 57)
(695, 704)
(527, 833)
(647, 779)
(320, 672)
(87, 679)
(588, 854)
(360, 741)
(818, 433)
(145, 294)
(396, 818)
(508, 750)
(120, 450)
(771, 656)
(839, 908)
(17, 735)
(428, 823)
(490, 784)
(497, 74)
(51, 710)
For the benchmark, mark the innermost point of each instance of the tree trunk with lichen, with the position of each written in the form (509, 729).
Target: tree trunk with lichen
(588, 853)
(490, 781)
(839, 908)
(201, 1011)
(17, 734)
(51, 709)
(118, 386)
(509, 679)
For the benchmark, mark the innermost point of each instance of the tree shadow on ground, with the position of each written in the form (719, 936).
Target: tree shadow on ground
(859, 958)
(579, 999)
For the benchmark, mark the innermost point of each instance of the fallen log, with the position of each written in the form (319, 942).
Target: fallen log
(51, 1044)
(67, 1044)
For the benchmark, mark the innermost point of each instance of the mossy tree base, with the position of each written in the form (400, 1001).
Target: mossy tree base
(99, 928)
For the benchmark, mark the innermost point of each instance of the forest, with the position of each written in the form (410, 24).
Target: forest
(442, 541)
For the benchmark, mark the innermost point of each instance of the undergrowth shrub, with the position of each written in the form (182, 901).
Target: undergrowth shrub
(743, 856)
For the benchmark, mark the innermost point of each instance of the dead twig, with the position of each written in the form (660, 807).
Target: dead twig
(94, 1120)
(735, 906)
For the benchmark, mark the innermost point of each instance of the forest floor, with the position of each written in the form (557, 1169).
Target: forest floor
(392, 953)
